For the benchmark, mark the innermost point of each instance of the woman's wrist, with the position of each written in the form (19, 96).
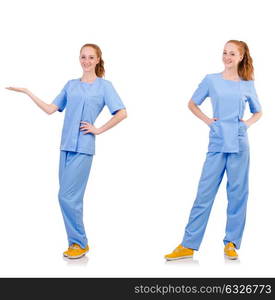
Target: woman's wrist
(208, 121)
(247, 123)
(27, 92)
(95, 131)
(99, 130)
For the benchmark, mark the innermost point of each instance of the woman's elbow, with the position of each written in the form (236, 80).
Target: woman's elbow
(51, 109)
(123, 114)
(258, 114)
(191, 104)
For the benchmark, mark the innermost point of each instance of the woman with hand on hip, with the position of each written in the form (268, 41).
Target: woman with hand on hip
(84, 99)
(228, 149)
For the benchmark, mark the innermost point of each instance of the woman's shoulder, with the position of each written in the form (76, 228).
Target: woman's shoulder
(210, 77)
(104, 81)
(70, 82)
(249, 83)
(73, 81)
(106, 84)
(213, 75)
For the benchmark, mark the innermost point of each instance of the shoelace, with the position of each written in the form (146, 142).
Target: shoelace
(177, 249)
(74, 246)
(230, 248)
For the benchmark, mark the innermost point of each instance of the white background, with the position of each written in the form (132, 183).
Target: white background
(145, 172)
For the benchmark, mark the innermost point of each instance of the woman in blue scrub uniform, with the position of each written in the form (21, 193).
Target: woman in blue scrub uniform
(228, 149)
(84, 99)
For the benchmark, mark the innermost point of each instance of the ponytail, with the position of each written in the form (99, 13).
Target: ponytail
(245, 67)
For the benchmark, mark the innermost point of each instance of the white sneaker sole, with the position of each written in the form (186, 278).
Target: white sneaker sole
(77, 256)
(231, 257)
(181, 257)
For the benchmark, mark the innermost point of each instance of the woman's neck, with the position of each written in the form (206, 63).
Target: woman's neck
(88, 76)
(231, 74)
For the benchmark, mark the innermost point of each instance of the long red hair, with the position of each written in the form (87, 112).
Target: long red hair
(245, 67)
(99, 69)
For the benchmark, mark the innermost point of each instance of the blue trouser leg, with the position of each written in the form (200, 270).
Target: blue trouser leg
(211, 177)
(74, 169)
(237, 168)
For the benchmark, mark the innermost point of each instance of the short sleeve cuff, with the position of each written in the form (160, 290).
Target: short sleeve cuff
(113, 110)
(256, 109)
(196, 100)
(60, 109)
(202, 91)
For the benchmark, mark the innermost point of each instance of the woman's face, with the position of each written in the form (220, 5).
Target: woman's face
(88, 59)
(231, 56)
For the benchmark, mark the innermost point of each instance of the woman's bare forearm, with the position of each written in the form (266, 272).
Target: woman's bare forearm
(47, 108)
(198, 113)
(118, 117)
(254, 118)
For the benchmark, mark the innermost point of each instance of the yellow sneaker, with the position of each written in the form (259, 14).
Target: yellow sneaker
(75, 251)
(230, 252)
(180, 252)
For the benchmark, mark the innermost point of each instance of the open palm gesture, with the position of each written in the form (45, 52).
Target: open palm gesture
(17, 89)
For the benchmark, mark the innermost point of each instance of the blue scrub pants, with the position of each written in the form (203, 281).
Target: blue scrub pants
(74, 169)
(236, 166)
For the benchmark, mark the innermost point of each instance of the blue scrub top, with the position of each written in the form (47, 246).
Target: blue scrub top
(84, 102)
(228, 98)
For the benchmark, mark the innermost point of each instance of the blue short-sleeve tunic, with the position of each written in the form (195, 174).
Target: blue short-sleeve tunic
(228, 98)
(84, 102)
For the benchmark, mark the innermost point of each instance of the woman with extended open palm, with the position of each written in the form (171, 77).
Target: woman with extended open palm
(84, 99)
